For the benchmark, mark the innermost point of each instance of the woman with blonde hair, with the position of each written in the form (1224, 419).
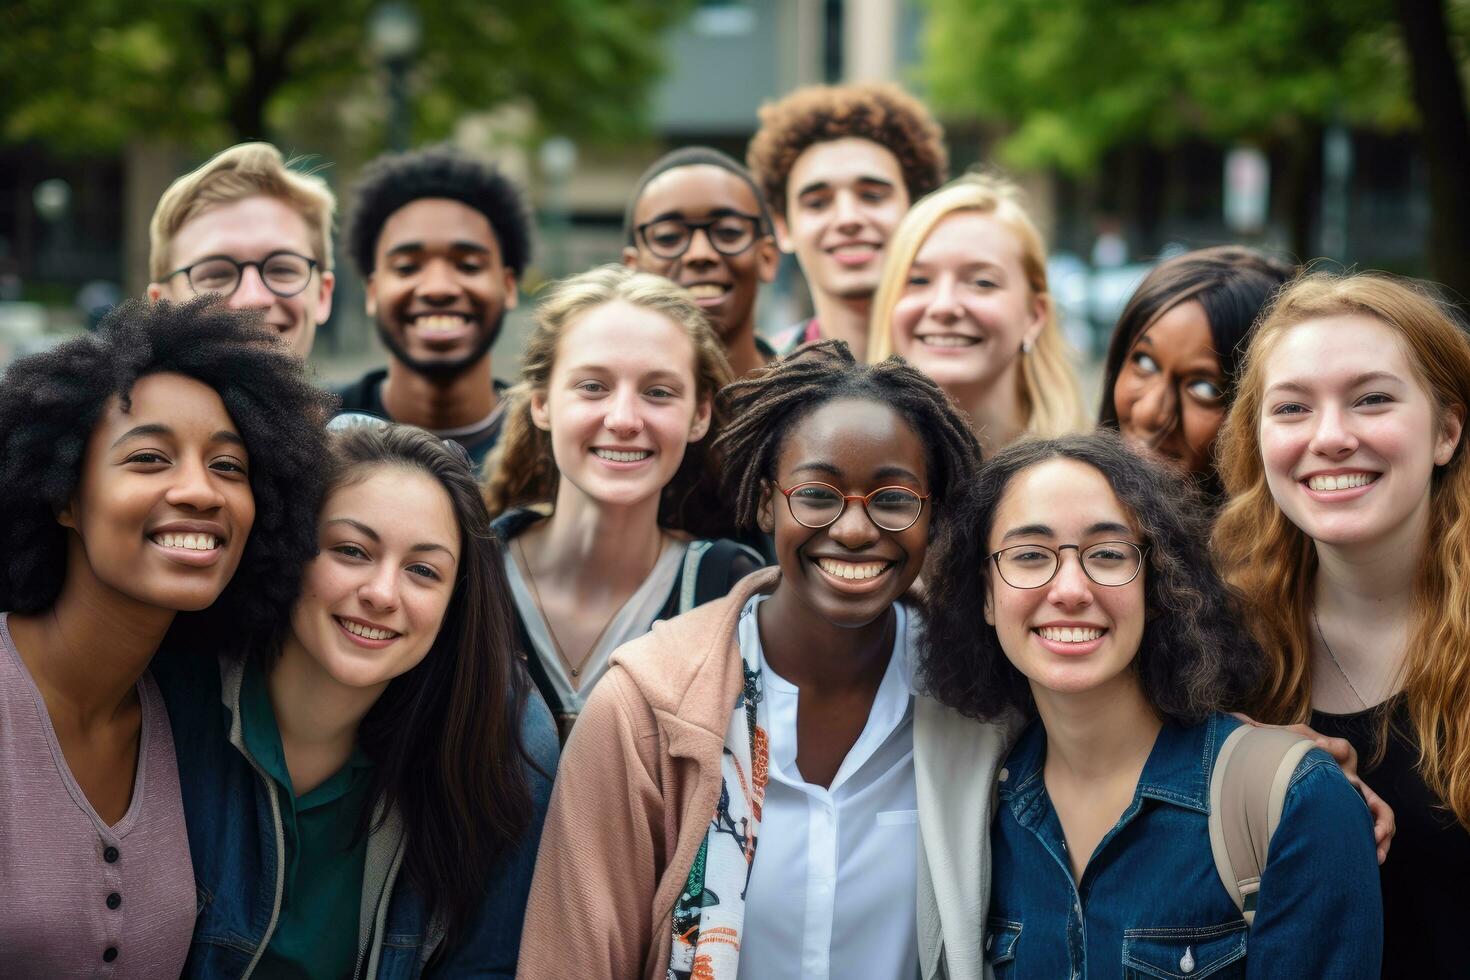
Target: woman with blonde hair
(604, 490)
(964, 299)
(1348, 535)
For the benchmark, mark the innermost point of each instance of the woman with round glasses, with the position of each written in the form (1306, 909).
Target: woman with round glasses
(608, 432)
(751, 788)
(1108, 630)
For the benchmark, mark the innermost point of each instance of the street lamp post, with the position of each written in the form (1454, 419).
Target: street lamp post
(394, 31)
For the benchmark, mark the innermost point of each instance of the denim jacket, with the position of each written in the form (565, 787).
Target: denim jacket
(1150, 902)
(236, 840)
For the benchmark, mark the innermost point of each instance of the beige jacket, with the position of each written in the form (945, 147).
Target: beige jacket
(638, 783)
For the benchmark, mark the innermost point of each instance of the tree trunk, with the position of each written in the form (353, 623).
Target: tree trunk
(1444, 123)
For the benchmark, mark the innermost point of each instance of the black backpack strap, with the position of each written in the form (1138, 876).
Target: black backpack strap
(711, 569)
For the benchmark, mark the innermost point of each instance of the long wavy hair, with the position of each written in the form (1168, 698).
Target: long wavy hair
(1050, 397)
(445, 737)
(522, 470)
(1273, 563)
(1193, 658)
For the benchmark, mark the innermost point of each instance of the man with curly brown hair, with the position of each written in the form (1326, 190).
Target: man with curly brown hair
(839, 166)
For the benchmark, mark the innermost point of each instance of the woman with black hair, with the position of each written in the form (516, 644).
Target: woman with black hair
(781, 713)
(157, 481)
(369, 801)
(1108, 630)
(1171, 367)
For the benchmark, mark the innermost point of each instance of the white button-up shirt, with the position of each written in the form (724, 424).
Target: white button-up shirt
(832, 888)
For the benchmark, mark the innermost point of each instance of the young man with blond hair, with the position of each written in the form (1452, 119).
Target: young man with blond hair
(839, 165)
(249, 228)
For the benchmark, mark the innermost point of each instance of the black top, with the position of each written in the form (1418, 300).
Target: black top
(365, 395)
(1426, 879)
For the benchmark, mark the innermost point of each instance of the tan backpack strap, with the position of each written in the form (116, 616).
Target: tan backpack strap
(1247, 792)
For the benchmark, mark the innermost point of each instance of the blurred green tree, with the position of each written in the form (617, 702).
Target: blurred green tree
(90, 75)
(1073, 79)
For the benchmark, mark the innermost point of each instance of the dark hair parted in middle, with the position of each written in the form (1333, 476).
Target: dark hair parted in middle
(51, 402)
(445, 737)
(766, 407)
(1233, 284)
(396, 180)
(1194, 657)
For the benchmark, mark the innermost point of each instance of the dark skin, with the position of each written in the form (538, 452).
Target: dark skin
(831, 637)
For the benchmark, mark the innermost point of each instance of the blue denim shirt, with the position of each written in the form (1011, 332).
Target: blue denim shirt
(232, 815)
(1150, 902)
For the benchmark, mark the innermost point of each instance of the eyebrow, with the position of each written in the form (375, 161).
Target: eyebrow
(677, 215)
(455, 246)
(881, 473)
(823, 185)
(1043, 531)
(159, 429)
(1353, 382)
(372, 535)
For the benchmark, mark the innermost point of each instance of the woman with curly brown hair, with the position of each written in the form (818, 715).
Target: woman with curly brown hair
(1107, 630)
(158, 482)
(1348, 535)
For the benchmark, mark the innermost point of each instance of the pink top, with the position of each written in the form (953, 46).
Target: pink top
(79, 898)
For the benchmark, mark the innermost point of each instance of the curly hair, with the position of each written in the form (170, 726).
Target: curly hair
(765, 407)
(51, 402)
(885, 114)
(522, 470)
(396, 180)
(1231, 282)
(1194, 656)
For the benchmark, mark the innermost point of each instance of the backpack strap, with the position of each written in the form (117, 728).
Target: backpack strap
(1247, 792)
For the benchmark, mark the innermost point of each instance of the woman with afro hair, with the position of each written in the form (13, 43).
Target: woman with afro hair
(158, 484)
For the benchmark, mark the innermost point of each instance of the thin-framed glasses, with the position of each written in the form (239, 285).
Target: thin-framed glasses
(817, 505)
(1106, 563)
(284, 273)
(728, 234)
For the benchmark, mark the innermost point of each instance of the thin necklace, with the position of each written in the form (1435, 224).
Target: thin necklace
(1333, 657)
(574, 669)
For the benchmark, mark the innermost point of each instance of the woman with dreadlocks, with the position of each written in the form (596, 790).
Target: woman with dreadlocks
(781, 714)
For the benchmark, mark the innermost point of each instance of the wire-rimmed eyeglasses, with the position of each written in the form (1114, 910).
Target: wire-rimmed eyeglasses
(284, 273)
(1106, 563)
(818, 505)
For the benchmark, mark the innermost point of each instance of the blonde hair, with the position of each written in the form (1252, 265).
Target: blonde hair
(1272, 563)
(1050, 396)
(244, 170)
(522, 469)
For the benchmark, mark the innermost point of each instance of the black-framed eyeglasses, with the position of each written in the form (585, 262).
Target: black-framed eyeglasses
(818, 505)
(1106, 563)
(729, 234)
(284, 273)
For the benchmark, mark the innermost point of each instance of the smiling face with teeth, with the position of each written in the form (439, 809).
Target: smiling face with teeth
(373, 599)
(439, 289)
(850, 572)
(1071, 635)
(622, 405)
(164, 506)
(968, 306)
(1350, 435)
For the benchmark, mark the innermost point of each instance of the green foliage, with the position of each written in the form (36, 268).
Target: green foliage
(1070, 79)
(85, 75)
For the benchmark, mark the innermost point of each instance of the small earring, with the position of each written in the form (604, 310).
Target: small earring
(1026, 346)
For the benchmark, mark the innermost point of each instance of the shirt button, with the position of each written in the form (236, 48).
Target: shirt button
(110, 855)
(114, 900)
(109, 954)
(989, 943)
(1186, 962)
(1005, 774)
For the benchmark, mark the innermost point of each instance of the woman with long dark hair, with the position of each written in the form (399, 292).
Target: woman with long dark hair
(1171, 368)
(368, 800)
(157, 477)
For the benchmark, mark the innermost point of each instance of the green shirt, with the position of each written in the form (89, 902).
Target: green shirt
(316, 933)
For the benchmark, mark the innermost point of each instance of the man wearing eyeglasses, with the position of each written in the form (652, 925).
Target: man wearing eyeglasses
(696, 218)
(253, 231)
